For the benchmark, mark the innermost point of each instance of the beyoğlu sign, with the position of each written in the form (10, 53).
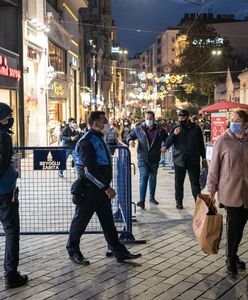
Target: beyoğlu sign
(6, 70)
(10, 73)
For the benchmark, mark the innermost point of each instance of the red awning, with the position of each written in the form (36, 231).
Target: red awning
(223, 105)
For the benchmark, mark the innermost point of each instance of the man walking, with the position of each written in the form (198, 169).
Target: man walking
(9, 214)
(150, 137)
(188, 146)
(69, 138)
(94, 165)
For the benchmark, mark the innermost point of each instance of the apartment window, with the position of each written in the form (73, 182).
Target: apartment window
(32, 54)
(94, 3)
(172, 50)
(173, 39)
(57, 56)
(94, 18)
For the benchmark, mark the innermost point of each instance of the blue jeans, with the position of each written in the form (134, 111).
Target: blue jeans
(147, 171)
(72, 153)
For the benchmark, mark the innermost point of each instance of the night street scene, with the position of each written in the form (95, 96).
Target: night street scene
(123, 149)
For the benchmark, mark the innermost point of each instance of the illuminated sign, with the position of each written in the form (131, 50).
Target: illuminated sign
(58, 89)
(115, 49)
(216, 41)
(5, 70)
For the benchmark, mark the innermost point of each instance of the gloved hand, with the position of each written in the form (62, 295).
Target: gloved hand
(204, 164)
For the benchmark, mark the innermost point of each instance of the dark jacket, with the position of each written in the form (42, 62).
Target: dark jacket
(66, 135)
(188, 145)
(8, 173)
(94, 161)
(148, 152)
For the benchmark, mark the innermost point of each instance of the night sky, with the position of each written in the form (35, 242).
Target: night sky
(154, 16)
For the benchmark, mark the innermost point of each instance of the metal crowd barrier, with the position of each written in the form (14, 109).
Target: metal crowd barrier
(45, 197)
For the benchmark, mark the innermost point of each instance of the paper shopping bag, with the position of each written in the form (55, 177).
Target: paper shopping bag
(207, 224)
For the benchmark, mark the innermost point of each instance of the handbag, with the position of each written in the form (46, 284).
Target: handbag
(78, 191)
(207, 224)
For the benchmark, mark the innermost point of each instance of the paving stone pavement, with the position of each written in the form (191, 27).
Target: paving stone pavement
(171, 267)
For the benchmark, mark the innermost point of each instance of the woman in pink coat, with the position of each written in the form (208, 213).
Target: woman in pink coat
(228, 175)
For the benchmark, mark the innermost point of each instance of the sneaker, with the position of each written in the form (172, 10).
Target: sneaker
(141, 204)
(16, 281)
(162, 162)
(79, 259)
(153, 201)
(61, 174)
(231, 266)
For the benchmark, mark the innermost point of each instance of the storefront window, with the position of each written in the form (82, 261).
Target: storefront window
(10, 97)
(57, 56)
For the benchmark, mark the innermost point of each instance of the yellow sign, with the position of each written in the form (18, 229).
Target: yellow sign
(58, 89)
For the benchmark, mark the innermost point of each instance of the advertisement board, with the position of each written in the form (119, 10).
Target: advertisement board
(218, 125)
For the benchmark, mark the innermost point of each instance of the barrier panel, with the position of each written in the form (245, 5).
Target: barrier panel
(45, 197)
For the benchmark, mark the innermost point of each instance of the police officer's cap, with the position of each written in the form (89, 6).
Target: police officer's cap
(183, 112)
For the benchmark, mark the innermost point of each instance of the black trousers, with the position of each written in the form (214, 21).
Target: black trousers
(194, 175)
(9, 217)
(97, 201)
(235, 224)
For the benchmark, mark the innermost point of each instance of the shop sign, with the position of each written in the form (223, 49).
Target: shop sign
(7, 71)
(47, 160)
(58, 90)
(218, 125)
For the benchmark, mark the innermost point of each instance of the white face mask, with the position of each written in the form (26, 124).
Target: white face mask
(149, 123)
(106, 128)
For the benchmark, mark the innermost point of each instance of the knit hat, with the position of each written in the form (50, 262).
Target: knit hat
(5, 110)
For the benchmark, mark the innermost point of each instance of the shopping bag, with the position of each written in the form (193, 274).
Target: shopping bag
(207, 224)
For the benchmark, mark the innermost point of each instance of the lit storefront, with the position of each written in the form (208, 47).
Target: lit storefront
(57, 107)
(58, 89)
(10, 76)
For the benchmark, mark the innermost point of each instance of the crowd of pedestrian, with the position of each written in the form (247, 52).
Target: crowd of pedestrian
(92, 148)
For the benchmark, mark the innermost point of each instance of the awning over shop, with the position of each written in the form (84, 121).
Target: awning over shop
(223, 105)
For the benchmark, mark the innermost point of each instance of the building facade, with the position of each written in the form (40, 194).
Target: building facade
(11, 68)
(97, 26)
(243, 77)
(51, 67)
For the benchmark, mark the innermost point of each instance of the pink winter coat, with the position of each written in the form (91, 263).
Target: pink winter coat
(228, 171)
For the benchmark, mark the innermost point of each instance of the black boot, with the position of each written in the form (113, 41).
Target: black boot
(16, 281)
(240, 263)
(231, 266)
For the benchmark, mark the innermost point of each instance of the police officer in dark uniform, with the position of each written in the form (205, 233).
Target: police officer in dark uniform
(188, 146)
(9, 215)
(94, 164)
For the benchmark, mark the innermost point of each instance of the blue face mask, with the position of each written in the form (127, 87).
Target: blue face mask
(149, 123)
(235, 127)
